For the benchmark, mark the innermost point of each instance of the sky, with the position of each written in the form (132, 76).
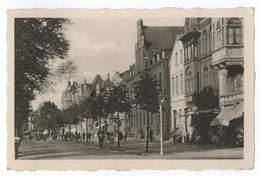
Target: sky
(101, 46)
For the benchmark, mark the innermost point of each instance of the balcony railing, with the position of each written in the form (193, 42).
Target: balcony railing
(228, 55)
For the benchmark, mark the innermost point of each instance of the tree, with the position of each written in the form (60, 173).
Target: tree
(37, 42)
(118, 102)
(207, 98)
(49, 117)
(100, 108)
(147, 97)
(71, 115)
(88, 110)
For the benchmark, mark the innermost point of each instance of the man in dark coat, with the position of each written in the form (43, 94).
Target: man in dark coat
(101, 136)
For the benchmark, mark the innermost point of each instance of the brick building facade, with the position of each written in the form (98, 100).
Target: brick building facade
(152, 53)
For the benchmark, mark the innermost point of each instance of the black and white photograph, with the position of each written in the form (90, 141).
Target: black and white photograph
(129, 88)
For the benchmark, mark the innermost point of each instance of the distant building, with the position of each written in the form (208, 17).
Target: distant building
(179, 122)
(152, 53)
(31, 122)
(74, 93)
(77, 92)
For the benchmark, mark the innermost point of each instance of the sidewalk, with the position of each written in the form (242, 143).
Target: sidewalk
(179, 151)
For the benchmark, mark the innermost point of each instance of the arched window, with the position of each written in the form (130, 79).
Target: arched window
(177, 91)
(210, 39)
(160, 80)
(181, 57)
(205, 77)
(181, 82)
(204, 41)
(219, 35)
(173, 86)
(188, 80)
(234, 31)
(176, 59)
(188, 51)
(195, 50)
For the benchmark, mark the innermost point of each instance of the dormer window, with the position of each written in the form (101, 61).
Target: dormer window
(154, 58)
(158, 56)
(163, 54)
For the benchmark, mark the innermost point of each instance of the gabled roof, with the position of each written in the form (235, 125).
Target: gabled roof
(160, 37)
(107, 84)
(125, 76)
(89, 85)
(97, 80)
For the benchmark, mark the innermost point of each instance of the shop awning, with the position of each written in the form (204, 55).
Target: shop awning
(227, 114)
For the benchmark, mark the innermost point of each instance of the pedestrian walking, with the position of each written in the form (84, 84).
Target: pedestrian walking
(101, 138)
(125, 136)
(83, 136)
(120, 136)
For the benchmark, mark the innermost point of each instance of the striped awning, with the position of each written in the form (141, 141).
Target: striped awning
(227, 114)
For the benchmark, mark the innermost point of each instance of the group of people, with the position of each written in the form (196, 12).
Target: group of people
(67, 136)
(140, 134)
(78, 137)
(101, 137)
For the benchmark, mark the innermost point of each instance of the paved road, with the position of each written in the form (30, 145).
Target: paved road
(131, 149)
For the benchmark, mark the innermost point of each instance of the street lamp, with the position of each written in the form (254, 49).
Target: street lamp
(162, 99)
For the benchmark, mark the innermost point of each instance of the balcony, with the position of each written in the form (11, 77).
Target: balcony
(228, 55)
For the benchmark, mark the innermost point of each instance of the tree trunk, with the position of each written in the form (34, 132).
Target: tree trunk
(62, 135)
(70, 132)
(99, 121)
(174, 130)
(118, 130)
(147, 132)
(87, 129)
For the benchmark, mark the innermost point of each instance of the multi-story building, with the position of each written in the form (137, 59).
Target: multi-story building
(75, 93)
(152, 53)
(31, 122)
(200, 75)
(228, 58)
(179, 123)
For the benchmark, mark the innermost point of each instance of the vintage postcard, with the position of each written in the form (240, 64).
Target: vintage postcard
(130, 89)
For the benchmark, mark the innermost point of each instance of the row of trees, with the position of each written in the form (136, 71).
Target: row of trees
(40, 42)
(100, 106)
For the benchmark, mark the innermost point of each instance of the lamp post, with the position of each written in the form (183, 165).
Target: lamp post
(162, 99)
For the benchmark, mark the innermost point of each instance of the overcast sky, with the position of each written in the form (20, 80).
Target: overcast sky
(102, 46)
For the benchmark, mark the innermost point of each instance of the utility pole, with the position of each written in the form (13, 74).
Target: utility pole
(161, 125)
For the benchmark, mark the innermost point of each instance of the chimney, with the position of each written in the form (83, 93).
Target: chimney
(139, 28)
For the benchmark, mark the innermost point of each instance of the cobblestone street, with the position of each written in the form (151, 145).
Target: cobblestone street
(130, 149)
